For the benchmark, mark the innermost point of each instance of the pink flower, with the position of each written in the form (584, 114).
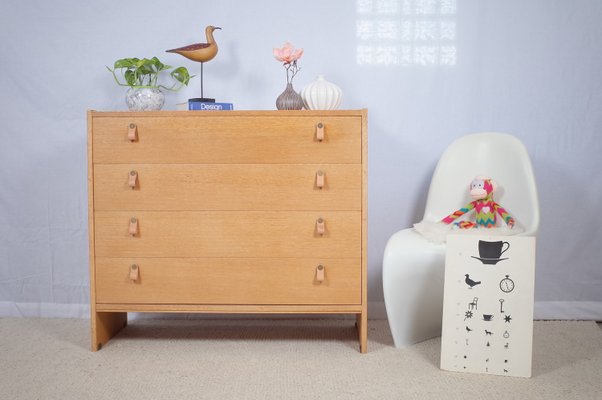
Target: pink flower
(287, 54)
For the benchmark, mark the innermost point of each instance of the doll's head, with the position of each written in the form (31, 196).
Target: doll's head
(482, 188)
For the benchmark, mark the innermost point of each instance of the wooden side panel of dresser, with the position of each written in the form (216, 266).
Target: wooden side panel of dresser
(233, 210)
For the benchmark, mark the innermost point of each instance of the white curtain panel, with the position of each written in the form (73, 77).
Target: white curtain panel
(429, 71)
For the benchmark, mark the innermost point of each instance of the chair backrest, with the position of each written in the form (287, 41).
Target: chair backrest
(499, 156)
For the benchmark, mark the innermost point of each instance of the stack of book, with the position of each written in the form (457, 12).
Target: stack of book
(199, 105)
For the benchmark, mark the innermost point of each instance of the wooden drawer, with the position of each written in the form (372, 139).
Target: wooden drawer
(227, 187)
(226, 138)
(228, 281)
(228, 234)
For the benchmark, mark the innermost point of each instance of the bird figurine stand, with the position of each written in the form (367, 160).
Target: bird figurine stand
(200, 52)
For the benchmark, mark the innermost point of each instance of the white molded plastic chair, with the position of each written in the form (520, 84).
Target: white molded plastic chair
(413, 267)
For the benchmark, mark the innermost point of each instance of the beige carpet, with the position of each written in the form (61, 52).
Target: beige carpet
(274, 359)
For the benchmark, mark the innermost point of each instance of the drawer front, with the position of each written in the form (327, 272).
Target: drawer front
(228, 281)
(228, 234)
(223, 139)
(227, 187)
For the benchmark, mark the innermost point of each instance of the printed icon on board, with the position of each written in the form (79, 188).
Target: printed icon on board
(470, 282)
(473, 305)
(490, 252)
(507, 284)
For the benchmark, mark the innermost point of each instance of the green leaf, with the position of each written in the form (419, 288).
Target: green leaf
(156, 64)
(130, 77)
(125, 63)
(140, 63)
(181, 75)
(145, 72)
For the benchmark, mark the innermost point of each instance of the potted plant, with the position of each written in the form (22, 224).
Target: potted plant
(142, 78)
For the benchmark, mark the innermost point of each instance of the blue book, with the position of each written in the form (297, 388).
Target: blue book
(203, 106)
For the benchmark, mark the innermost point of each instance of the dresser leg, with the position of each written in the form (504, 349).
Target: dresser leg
(362, 329)
(105, 325)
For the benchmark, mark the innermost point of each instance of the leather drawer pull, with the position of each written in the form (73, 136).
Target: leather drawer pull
(320, 179)
(132, 132)
(133, 178)
(320, 273)
(133, 226)
(320, 131)
(320, 226)
(134, 272)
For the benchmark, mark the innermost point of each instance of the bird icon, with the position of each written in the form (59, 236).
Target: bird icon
(201, 52)
(470, 282)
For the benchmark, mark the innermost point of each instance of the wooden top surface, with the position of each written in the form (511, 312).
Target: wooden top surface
(262, 113)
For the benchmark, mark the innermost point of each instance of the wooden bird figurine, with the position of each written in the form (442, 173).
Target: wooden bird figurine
(201, 52)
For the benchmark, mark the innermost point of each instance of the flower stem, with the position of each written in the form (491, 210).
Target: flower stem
(291, 71)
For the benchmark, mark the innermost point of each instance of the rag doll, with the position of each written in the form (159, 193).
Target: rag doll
(481, 190)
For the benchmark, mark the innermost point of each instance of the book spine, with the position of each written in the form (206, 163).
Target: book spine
(202, 106)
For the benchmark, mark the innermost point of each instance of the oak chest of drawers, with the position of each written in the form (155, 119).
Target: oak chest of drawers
(227, 212)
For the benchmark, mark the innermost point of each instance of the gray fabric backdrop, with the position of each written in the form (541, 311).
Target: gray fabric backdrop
(429, 71)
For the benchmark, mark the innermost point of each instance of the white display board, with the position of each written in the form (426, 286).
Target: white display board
(488, 305)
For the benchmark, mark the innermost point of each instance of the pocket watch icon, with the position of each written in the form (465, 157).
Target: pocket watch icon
(507, 284)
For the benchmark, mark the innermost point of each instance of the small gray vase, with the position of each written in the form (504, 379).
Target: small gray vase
(289, 99)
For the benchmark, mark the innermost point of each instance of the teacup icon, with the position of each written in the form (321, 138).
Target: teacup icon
(490, 252)
(487, 317)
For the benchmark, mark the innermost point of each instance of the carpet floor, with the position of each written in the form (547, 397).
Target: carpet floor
(274, 359)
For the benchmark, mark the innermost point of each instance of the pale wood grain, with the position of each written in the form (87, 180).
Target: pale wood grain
(228, 281)
(227, 187)
(232, 113)
(205, 138)
(105, 326)
(233, 308)
(228, 234)
(363, 318)
(207, 193)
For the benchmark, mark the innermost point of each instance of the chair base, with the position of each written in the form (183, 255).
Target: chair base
(413, 275)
